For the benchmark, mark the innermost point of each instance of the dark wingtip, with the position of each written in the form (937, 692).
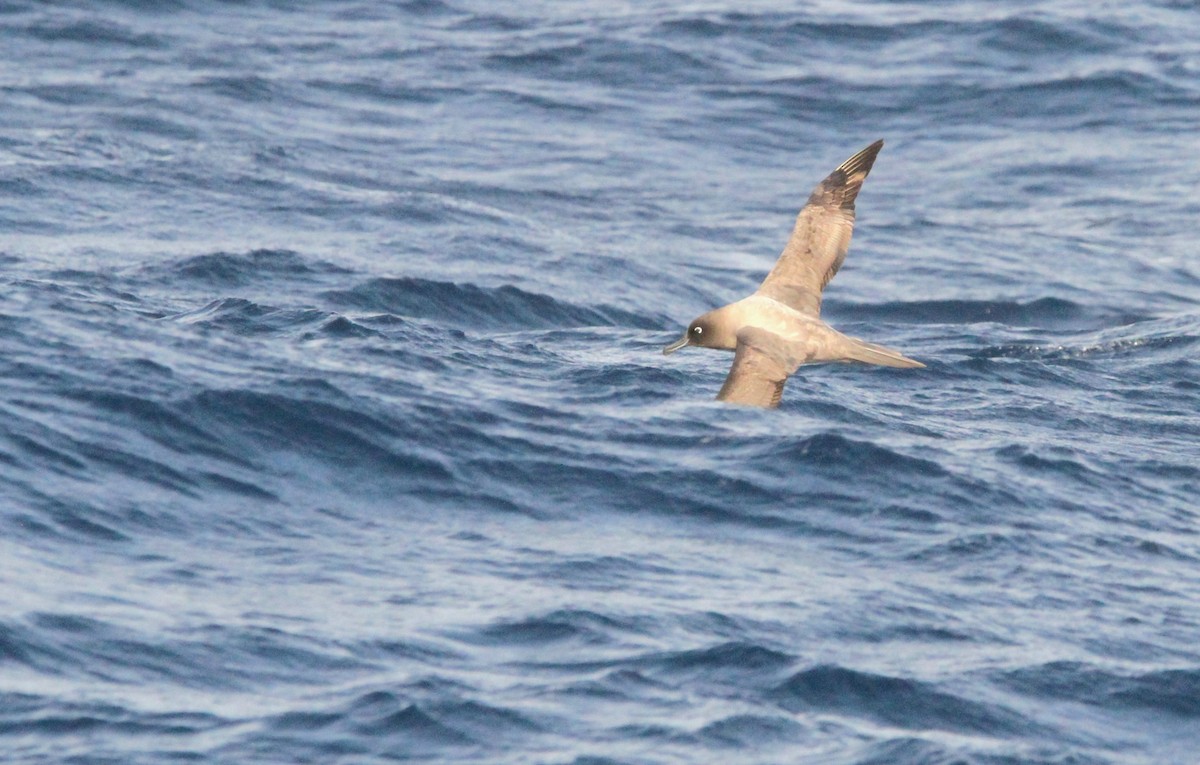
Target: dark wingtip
(862, 161)
(841, 188)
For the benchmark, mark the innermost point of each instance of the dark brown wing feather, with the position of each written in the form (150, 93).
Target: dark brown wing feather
(819, 241)
(761, 365)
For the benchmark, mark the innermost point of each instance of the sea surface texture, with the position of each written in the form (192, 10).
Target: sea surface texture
(334, 426)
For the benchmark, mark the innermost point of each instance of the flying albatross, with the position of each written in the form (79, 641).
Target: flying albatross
(779, 327)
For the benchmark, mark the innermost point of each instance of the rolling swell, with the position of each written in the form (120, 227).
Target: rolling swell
(344, 436)
(227, 269)
(1043, 313)
(467, 306)
(31, 722)
(1172, 692)
(385, 723)
(892, 701)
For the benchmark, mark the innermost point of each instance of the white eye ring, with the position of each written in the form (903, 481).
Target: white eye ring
(698, 330)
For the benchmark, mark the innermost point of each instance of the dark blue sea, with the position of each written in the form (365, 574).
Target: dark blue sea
(334, 426)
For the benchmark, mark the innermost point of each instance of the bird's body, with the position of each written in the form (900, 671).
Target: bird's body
(817, 338)
(779, 327)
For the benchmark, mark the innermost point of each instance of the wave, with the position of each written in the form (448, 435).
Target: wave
(1008, 33)
(481, 309)
(132, 449)
(378, 723)
(229, 269)
(601, 572)
(588, 627)
(29, 716)
(1172, 691)
(774, 28)
(91, 32)
(156, 126)
(338, 433)
(1047, 313)
(426, 8)
(834, 450)
(386, 91)
(81, 647)
(1065, 101)
(752, 731)
(894, 701)
(608, 61)
(71, 94)
(421, 720)
(492, 22)
(245, 317)
(1159, 341)
(250, 88)
(1004, 37)
(736, 663)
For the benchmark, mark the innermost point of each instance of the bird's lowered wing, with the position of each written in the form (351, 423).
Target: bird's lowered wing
(761, 365)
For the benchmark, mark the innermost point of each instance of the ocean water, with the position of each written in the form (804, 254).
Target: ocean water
(334, 426)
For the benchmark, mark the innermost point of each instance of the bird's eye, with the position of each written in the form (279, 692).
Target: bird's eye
(698, 330)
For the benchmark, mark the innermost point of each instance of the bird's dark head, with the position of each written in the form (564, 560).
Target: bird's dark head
(708, 331)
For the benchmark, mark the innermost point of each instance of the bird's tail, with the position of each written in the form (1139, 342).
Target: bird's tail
(870, 353)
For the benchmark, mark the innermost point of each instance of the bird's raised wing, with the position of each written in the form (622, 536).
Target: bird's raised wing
(818, 244)
(761, 365)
